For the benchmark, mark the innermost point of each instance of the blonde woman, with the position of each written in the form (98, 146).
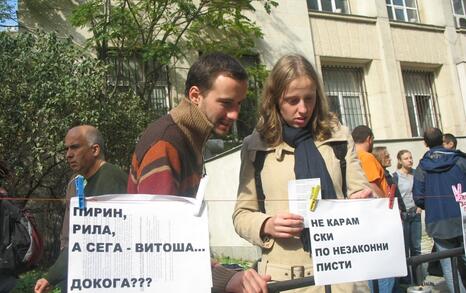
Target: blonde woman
(412, 227)
(293, 140)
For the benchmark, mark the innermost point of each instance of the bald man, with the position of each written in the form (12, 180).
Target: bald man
(84, 147)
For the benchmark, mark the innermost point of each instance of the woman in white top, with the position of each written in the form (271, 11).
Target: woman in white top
(404, 178)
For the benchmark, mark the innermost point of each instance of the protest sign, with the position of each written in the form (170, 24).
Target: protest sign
(460, 197)
(356, 240)
(299, 195)
(138, 243)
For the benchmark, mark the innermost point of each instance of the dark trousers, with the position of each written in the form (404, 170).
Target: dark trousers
(7, 283)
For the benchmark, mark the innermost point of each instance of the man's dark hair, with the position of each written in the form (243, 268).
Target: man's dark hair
(448, 137)
(361, 133)
(206, 69)
(433, 137)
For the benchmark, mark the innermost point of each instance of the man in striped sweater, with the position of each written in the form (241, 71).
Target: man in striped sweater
(168, 157)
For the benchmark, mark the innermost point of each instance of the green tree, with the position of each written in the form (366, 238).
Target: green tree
(46, 86)
(160, 32)
(8, 17)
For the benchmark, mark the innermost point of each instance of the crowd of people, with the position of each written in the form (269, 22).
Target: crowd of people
(296, 137)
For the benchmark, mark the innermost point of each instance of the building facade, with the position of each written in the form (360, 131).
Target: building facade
(398, 66)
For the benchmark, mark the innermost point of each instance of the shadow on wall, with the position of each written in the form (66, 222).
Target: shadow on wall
(287, 45)
(50, 16)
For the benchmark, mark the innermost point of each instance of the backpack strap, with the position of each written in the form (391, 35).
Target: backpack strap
(340, 148)
(395, 178)
(5, 225)
(258, 166)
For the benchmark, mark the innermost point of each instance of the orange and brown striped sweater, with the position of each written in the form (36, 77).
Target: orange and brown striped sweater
(168, 156)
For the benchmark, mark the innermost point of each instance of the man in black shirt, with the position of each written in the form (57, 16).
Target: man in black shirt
(85, 155)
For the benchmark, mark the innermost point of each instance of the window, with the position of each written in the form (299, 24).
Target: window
(420, 99)
(344, 87)
(459, 12)
(337, 6)
(146, 78)
(402, 10)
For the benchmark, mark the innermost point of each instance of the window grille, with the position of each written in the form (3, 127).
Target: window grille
(421, 101)
(143, 77)
(345, 89)
(337, 6)
(402, 10)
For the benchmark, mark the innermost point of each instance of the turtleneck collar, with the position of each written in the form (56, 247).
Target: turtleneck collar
(194, 125)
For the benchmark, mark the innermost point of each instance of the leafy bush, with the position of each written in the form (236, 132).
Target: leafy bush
(48, 85)
(27, 281)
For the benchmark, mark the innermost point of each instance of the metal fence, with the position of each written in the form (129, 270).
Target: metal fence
(414, 262)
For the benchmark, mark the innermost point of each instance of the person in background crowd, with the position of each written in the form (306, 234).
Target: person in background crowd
(7, 278)
(293, 140)
(411, 218)
(85, 155)
(364, 141)
(438, 170)
(449, 141)
(383, 157)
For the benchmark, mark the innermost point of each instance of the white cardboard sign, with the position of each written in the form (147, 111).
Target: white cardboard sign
(138, 243)
(356, 240)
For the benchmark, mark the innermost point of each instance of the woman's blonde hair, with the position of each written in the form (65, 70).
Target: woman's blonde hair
(287, 69)
(398, 156)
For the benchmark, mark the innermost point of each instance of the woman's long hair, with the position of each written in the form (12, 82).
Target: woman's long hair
(287, 69)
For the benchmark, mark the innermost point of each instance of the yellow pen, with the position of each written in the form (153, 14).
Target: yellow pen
(314, 195)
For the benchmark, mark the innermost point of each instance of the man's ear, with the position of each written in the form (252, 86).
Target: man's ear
(96, 150)
(195, 95)
(368, 139)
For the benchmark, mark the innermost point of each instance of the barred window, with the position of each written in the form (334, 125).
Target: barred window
(345, 89)
(337, 6)
(402, 10)
(147, 78)
(421, 101)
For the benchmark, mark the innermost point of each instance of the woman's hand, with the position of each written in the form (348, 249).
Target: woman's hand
(283, 225)
(365, 193)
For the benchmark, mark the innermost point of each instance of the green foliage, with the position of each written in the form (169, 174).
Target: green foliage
(47, 86)
(163, 31)
(247, 119)
(28, 280)
(226, 260)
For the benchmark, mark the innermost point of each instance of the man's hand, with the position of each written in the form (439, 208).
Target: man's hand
(376, 190)
(248, 282)
(365, 193)
(42, 286)
(283, 225)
